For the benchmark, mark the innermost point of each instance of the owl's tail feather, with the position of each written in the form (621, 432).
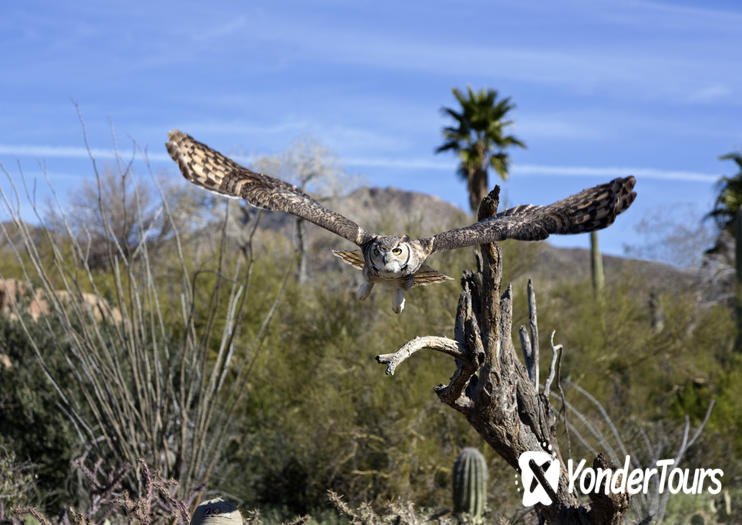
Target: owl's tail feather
(352, 257)
(427, 275)
(424, 276)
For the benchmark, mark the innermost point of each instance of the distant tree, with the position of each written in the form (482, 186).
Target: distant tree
(478, 138)
(672, 234)
(313, 168)
(113, 213)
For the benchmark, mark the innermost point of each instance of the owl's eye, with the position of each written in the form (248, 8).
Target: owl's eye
(397, 251)
(376, 251)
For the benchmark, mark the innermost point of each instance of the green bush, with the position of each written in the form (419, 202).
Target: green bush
(33, 427)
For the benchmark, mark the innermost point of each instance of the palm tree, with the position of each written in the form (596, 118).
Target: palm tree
(729, 199)
(478, 139)
(727, 214)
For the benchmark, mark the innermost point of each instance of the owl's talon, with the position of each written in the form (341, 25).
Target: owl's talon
(398, 301)
(364, 291)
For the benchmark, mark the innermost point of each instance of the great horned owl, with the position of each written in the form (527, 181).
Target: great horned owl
(398, 261)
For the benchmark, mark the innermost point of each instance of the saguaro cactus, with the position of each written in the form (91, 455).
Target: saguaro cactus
(596, 264)
(470, 484)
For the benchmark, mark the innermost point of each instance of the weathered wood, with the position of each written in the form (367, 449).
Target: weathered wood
(556, 357)
(441, 344)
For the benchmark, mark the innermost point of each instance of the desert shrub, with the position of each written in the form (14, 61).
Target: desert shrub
(16, 481)
(33, 426)
(157, 376)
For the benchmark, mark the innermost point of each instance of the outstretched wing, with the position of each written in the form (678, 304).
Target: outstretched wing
(589, 210)
(210, 169)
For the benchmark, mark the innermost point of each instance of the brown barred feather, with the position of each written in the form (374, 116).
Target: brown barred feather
(427, 275)
(424, 276)
(213, 171)
(352, 257)
(591, 209)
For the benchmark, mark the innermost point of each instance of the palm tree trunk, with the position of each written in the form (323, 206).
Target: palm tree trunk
(477, 185)
(596, 263)
(738, 280)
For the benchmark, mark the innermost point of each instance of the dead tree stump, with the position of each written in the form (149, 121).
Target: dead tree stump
(497, 394)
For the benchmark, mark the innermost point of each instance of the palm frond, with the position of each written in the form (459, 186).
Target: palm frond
(736, 157)
(458, 117)
(451, 144)
(460, 96)
(510, 140)
(499, 163)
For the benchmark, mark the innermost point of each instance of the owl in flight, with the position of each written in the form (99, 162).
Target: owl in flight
(398, 261)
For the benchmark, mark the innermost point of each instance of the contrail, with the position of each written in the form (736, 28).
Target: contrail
(546, 169)
(393, 163)
(70, 152)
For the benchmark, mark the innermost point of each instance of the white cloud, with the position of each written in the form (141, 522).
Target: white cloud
(556, 128)
(336, 136)
(24, 150)
(546, 170)
(645, 70)
(693, 13)
(220, 31)
(396, 162)
(237, 128)
(610, 171)
(710, 93)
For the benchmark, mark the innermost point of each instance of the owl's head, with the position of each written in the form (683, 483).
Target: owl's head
(391, 256)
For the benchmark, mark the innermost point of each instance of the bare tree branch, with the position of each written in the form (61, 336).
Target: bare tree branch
(554, 367)
(440, 344)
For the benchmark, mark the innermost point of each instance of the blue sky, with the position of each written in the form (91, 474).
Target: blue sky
(602, 89)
